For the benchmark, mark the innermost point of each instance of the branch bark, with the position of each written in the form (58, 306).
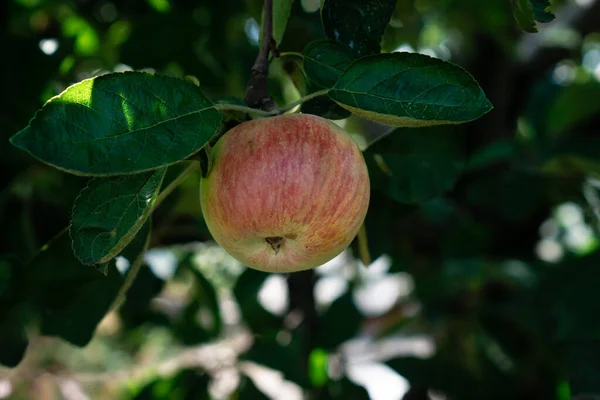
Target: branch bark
(257, 93)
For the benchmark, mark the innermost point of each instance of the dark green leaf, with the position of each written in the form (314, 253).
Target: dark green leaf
(246, 293)
(568, 293)
(541, 10)
(109, 213)
(340, 322)
(325, 107)
(575, 104)
(70, 297)
(415, 165)
(523, 13)
(136, 309)
(527, 12)
(584, 369)
(359, 24)
(249, 391)
(14, 312)
(13, 334)
(120, 123)
(344, 389)
(492, 154)
(288, 358)
(325, 60)
(410, 90)
(206, 296)
(187, 384)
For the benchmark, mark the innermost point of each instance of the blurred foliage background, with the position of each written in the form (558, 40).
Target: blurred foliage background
(481, 282)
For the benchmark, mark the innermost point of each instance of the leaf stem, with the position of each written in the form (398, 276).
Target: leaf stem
(248, 110)
(291, 54)
(304, 100)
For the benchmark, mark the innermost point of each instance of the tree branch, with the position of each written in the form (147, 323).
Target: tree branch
(257, 94)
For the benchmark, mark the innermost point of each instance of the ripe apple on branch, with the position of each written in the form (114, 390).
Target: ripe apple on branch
(285, 193)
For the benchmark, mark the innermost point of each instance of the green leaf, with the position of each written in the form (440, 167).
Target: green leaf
(325, 107)
(541, 10)
(187, 384)
(568, 293)
(523, 13)
(13, 336)
(416, 165)
(325, 60)
(137, 310)
(573, 105)
(120, 123)
(287, 357)
(109, 213)
(246, 292)
(410, 90)
(527, 12)
(207, 299)
(281, 14)
(71, 298)
(14, 313)
(359, 24)
(247, 390)
(344, 389)
(339, 323)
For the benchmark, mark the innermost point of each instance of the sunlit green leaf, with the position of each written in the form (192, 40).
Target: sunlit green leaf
(109, 212)
(359, 24)
(120, 123)
(410, 90)
(325, 60)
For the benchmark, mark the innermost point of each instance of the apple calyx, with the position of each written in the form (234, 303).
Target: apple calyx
(275, 242)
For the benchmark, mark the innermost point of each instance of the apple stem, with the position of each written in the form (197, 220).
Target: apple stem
(257, 94)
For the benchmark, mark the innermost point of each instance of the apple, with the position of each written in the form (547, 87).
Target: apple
(285, 193)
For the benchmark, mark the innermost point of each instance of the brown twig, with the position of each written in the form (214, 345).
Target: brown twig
(257, 94)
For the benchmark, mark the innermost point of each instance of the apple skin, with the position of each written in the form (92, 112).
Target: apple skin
(285, 193)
